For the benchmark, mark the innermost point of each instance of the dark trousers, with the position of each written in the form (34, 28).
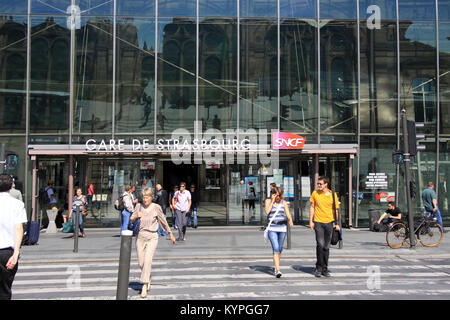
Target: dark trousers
(323, 239)
(6, 276)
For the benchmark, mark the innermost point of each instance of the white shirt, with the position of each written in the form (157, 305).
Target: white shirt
(12, 213)
(183, 200)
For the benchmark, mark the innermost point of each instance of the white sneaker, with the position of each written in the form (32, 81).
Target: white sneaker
(278, 274)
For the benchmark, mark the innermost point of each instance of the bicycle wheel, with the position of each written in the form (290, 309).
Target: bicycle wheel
(430, 235)
(396, 235)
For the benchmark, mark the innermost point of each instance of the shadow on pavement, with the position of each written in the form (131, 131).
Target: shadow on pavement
(304, 269)
(263, 269)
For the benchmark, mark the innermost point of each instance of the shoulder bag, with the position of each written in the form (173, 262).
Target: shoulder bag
(266, 231)
(336, 235)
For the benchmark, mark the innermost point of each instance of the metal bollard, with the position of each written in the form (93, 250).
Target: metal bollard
(288, 236)
(124, 265)
(76, 228)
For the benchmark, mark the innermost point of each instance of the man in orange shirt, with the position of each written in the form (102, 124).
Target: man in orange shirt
(321, 219)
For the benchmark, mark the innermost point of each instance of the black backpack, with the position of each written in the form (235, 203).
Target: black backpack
(43, 196)
(119, 203)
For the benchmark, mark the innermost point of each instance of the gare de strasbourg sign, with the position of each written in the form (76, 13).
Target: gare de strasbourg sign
(280, 141)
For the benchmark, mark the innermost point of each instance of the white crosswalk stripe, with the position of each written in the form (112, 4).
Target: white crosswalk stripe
(235, 279)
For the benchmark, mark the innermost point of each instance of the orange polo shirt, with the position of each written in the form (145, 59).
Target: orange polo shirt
(323, 205)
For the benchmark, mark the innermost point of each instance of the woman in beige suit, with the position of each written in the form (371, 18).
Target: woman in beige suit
(150, 214)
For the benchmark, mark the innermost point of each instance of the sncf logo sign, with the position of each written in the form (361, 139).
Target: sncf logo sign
(283, 141)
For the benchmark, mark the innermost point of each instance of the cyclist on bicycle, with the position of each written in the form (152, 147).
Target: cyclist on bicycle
(394, 215)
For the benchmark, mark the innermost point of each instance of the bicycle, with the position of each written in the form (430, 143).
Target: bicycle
(428, 232)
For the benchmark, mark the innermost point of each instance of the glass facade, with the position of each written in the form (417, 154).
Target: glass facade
(335, 72)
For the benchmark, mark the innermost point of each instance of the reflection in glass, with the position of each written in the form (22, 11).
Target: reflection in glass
(387, 9)
(258, 8)
(217, 8)
(339, 84)
(177, 8)
(13, 54)
(258, 73)
(136, 8)
(298, 9)
(61, 7)
(444, 186)
(93, 99)
(14, 7)
(378, 79)
(51, 7)
(417, 9)
(217, 77)
(298, 65)
(135, 105)
(49, 83)
(444, 76)
(176, 74)
(418, 72)
(338, 9)
(444, 9)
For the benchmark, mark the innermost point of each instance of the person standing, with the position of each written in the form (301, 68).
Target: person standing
(150, 215)
(321, 219)
(90, 195)
(51, 195)
(181, 201)
(195, 203)
(12, 216)
(161, 198)
(429, 199)
(15, 193)
(79, 200)
(277, 206)
(128, 202)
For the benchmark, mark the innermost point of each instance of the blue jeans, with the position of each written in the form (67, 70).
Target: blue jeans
(161, 232)
(80, 220)
(277, 241)
(438, 216)
(193, 213)
(125, 218)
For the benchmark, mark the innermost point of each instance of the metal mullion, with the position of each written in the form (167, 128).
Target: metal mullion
(278, 65)
(397, 187)
(156, 71)
(113, 117)
(72, 76)
(358, 22)
(238, 75)
(197, 41)
(27, 100)
(438, 107)
(318, 72)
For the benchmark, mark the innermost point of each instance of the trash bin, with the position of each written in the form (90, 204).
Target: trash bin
(374, 215)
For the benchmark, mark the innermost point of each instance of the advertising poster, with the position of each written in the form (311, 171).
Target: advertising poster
(288, 183)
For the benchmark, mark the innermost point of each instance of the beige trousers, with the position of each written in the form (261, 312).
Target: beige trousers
(146, 243)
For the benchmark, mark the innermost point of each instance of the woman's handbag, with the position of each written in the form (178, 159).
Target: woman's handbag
(266, 230)
(67, 227)
(336, 235)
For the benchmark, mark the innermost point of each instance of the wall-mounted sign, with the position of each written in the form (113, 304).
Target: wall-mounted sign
(286, 141)
(377, 181)
(148, 165)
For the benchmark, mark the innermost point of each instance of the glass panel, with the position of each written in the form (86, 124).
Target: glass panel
(13, 149)
(51, 7)
(13, 56)
(218, 8)
(338, 9)
(417, 9)
(176, 74)
(177, 8)
(93, 97)
(15, 7)
(135, 104)
(49, 84)
(258, 73)
(217, 78)
(136, 8)
(339, 82)
(298, 65)
(45, 139)
(444, 9)
(383, 9)
(418, 72)
(444, 63)
(444, 184)
(376, 159)
(258, 8)
(298, 9)
(378, 78)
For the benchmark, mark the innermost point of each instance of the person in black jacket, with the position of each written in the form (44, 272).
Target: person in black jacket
(195, 202)
(161, 198)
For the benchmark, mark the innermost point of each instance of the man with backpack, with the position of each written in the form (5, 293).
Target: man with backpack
(126, 205)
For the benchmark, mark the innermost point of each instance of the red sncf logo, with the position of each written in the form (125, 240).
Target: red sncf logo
(283, 140)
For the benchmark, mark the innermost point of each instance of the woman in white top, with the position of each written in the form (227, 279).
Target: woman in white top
(277, 206)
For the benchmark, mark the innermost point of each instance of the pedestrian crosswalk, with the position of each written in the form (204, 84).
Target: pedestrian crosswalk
(176, 279)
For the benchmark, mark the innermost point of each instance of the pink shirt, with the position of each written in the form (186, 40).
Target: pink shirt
(91, 190)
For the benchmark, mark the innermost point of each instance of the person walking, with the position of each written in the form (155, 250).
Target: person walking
(12, 216)
(429, 199)
(172, 209)
(79, 200)
(278, 213)
(128, 202)
(181, 201)
(321, 219)
(161, 198)
(151, 217)
(14, 192)
(90, 195)
(195, 203)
